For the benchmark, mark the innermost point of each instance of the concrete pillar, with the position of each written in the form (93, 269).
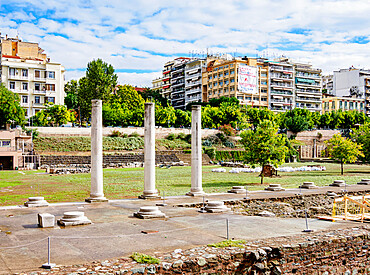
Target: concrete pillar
(196, 152)
(149, 153)
(97, 193)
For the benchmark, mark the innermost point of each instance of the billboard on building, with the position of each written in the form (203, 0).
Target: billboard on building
(247, 79)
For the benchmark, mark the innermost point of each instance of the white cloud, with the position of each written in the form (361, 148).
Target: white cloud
(141, 35)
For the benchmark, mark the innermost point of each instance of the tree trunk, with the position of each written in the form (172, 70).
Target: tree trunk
(262, 174)
(341, 167)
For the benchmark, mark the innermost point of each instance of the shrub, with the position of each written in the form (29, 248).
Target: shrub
(181, 136)
(171, 136)
(188, 138)
(221, 137)
(115, 133)
(228, 130)
(211, 152)
(134, 134)
(144, 259)
(229, 144)
(207, 143)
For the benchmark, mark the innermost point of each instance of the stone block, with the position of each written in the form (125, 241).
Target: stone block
(36, 202)
(338, 183)
(216, 207)
(237, 190)
(308, 185)
(149, 212)
(74, 218)
(274, 187)
(46, 220)
(364, 182)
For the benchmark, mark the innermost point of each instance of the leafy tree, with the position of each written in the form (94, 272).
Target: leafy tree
(71, 99)
(257, 115)
(297, 120)
(264, 145)
(154, 95)
(164, 116)
(54, 115)
(362, 137)
(99, 83)
(343, 150)
(183, 118)
(211, 117)
(10, 110)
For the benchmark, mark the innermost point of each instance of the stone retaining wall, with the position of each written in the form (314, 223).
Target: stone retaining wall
(343, 251)
(108, 160)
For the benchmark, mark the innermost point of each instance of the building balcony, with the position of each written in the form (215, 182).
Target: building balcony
(281, 85)
(10, 149)
(39, 92)
(25, 104)
(193, 70)
(287, 69)
(178, 84)
(190, 84)
(39, 79)
(307, 99)
(283, 93)
(308, 85)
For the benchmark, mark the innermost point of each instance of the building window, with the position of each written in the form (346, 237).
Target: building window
(232, 72)
(333, 105)
(345, 105)
(12, 85)
(37, 99)
(340, 104)
(240, 97)
(50, 87)
(25, 112)
(263, 82)
(361, 106)
(351, 105)
(24, 86)
(37, 87)
(5, 143)
(255, 98)
(24, 99)
(51, 99)
(264, 91)
(50, 75)
(232, 80)
(24, 72)
(356, 105)
(263, 98)
(12, 71)
(248, 98)
(37, 74)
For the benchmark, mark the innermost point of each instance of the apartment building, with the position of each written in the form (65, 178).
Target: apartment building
(27, 71)
(193, 80)
(221, 78)
(353, 83)
(333, 103)
(281, 85)
(157, 84)
(178, 83)
(307, 83)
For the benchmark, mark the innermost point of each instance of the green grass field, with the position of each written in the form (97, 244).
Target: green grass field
(17, 186)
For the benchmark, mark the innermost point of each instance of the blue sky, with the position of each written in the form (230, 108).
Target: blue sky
(138, 37)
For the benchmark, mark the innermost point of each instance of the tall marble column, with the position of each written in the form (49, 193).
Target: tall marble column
(97, 193)
(149, 153)
(196, 152)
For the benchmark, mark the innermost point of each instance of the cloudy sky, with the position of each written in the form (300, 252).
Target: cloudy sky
(138, 36)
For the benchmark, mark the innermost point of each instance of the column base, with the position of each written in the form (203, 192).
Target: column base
(99, 199)
(154, 196)
(196, 193)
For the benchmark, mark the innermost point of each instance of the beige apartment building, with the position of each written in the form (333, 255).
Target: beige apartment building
(27, 71)
(220, 78)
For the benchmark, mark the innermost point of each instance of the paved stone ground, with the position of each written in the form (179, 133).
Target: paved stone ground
(115, 233)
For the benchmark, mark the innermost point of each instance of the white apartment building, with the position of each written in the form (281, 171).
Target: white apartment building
(27, 71)
(193, 81)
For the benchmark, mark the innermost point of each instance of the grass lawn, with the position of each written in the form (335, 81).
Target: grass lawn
(17, 186)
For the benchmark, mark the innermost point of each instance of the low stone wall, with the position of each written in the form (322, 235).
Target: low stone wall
(117, 160)
(76, 131)
(344, 251)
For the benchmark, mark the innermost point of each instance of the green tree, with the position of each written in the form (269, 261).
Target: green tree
(165, 116)
(152, 95)
(71, 98)
(362, 137)
(54, 115)
(257, 115)
(10, 111)
(183, 118)
(297, 120)
(99, 83)
(343, 150)
(264, 145)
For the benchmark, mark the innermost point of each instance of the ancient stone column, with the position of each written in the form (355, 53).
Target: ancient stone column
(196, 152)
(149, 153)
(97, 193)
